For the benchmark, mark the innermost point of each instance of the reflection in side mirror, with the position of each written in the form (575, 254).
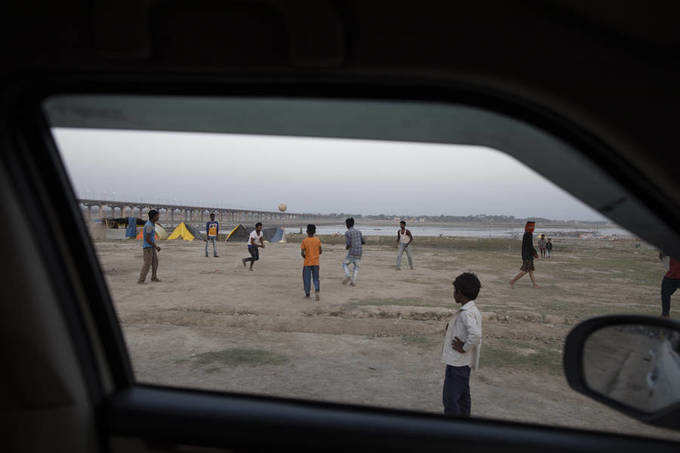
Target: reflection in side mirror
(629, 363)
(635, 365)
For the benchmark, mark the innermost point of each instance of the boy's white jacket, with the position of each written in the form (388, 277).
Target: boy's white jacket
(466, 325)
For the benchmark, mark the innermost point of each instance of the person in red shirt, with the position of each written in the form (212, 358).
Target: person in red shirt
(670, 282)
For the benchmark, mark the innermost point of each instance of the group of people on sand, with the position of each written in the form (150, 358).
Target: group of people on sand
(310, 250)
(463, 337)
(460, 352)
(545, 246)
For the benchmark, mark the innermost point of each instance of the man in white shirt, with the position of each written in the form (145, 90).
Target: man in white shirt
(254, 242)
(404, 239)
(462, 344)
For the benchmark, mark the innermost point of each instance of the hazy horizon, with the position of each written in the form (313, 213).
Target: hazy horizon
(311, 175)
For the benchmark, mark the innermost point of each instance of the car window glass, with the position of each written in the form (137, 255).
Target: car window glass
(386, 315)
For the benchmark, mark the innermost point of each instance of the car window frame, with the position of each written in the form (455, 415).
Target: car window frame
(133, 410)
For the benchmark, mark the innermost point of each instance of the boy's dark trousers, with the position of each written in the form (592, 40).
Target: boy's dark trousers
(310, 273)
(456, 394)
(668, 287)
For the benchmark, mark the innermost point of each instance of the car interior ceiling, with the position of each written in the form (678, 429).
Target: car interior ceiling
(608, 71)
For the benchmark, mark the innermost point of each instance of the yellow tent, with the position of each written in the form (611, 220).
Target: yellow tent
(161, 233)
(181, 232)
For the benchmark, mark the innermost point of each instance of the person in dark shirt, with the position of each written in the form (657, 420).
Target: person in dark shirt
(548, 249)
(528, 255)
(670, 282)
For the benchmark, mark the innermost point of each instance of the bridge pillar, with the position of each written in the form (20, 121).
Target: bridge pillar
(85, 209)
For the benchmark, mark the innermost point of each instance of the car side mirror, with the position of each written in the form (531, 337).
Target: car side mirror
(629, 363)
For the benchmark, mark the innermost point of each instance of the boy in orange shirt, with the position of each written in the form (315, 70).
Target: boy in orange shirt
(310, 251)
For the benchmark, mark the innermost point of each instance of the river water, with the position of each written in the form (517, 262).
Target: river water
(457, 231)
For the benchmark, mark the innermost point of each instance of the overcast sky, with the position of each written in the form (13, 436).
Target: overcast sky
(308, 174)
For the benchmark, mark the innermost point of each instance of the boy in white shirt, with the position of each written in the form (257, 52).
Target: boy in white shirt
(254, 242)
(461, 346)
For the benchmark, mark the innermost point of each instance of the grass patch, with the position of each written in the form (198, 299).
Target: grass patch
(542, 359)
(239, 356)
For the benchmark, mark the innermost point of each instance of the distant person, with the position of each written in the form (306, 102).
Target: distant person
(354, 242)
(548, 249)
(541, 245)
(310, 249)
(255, 242)
(212, 229)
(528, 255)
(150, 249)
(462, 345)
(404, 239)
(670, 282)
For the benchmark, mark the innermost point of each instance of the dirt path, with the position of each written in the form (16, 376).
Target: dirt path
(212, 324)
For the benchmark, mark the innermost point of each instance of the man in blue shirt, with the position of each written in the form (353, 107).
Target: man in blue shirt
(149, 248)
(354, 242)
(212, 229)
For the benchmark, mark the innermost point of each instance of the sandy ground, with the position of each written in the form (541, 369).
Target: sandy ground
(212, 324)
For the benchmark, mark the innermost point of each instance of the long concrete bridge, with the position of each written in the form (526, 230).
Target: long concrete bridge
(94, 209)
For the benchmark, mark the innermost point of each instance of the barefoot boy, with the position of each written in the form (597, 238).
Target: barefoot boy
(354, 242)
(150, 249)
(528, 255)
(254, 242)
(462, 343)
(404, 239)
(310, 251)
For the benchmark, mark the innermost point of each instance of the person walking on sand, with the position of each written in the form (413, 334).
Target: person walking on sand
(548, 249)
(255, 241)
(670, 282)
(212, 229)
(462, 344)
(404, 239)
(541, 245)
(354, 242)
(310, 249)
(528, 255)
(150, 249)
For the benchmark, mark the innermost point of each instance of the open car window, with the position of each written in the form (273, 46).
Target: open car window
(464, 180)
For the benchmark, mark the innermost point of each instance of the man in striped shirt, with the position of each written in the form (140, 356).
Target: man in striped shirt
(354, 242)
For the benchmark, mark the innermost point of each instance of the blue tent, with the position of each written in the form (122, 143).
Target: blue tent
(277, 236)
(131, 231)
